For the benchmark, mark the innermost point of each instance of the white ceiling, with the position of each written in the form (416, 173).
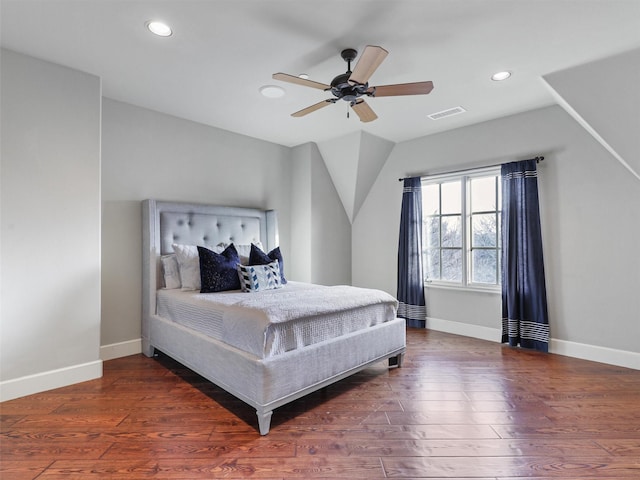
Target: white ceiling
(223, 51)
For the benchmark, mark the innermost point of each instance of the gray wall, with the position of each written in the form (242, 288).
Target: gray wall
(50, 235)
(321, 232)
(301, 211)
(590, 207)
(146, 154)
(604, 97)
(330, 229)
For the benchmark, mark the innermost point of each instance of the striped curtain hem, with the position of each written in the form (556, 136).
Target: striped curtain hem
(525, 333)
(414, 314)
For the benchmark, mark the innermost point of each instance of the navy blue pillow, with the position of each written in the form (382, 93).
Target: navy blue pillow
(218, 271)
(258, 257)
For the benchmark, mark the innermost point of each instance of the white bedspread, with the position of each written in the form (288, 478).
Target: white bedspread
(275, 321)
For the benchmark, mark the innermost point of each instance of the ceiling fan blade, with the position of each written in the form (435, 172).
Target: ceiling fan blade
(417, 88)
(285, 77)
(369, 61)
(314, 107)
(363, 110)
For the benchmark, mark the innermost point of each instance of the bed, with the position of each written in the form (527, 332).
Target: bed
(273, 370)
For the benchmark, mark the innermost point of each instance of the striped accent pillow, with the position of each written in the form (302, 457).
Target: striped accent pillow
(254, 278)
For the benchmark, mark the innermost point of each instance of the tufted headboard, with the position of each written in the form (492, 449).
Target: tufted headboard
(165, 223)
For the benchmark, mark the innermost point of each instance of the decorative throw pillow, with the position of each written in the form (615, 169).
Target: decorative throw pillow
(170, 271)
(218, 270)
(254, 278)
(258, 257)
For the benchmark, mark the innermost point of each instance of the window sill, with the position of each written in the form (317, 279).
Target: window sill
(463, 288)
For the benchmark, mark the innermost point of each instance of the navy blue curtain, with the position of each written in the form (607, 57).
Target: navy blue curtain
(525, 320)
(411, 304)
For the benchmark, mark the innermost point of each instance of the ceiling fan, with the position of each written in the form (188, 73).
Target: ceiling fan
(351, 86)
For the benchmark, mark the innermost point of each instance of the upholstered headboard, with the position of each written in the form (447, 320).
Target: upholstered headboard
(165, 223)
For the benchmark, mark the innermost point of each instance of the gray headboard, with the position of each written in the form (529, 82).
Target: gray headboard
(165, 223)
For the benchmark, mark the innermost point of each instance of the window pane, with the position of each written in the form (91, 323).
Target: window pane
(483, 227)
(431, 199)
(452, 197)
(484, 266)
(452, 265)
(452, 231)
(461, 228)
(483, 194)
(432, 231)
(432, 270)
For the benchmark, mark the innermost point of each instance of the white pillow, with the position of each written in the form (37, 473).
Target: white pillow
(170, 271)
(189, 264)
(245, 249)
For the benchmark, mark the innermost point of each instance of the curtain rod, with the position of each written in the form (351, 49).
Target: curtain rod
(537, 159)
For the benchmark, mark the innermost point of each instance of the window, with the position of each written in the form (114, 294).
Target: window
(461, 228)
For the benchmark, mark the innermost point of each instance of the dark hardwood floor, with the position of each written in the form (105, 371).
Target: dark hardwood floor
(458, 408)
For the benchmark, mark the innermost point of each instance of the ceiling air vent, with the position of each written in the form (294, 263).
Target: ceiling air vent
(446, 113)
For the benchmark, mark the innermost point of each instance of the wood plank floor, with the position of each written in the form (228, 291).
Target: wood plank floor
(458, 408)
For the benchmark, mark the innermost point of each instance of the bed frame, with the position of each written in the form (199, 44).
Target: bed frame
(265, 384)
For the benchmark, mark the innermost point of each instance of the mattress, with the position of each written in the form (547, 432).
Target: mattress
(272, 322)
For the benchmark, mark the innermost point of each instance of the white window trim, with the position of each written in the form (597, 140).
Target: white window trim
(466, 285)
(476, 288)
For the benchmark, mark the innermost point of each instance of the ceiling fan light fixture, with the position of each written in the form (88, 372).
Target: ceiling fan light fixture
(499, 76)
(159, 28)
(272, 91)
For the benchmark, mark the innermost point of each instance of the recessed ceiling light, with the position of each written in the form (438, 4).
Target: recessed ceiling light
(272, 91)
(499, 76)
(304, 75)
(159, 28)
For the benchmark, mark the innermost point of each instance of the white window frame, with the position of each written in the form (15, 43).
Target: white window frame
(464, 176)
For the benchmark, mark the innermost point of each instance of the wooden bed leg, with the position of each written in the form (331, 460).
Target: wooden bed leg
(148, 349)
(396, 361)
(264, 421)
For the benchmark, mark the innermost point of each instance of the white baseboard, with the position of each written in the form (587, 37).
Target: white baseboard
(620, 358)
(464, 329)
(40, 382)
(594, 353)
(121, 349)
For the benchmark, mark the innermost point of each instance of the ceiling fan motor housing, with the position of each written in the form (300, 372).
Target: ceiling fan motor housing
(342, 89)
(340, 86)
